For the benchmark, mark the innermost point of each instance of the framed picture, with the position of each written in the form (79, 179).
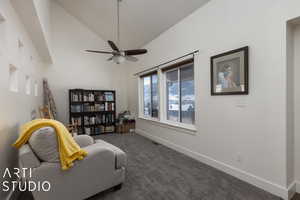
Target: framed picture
(229, 72)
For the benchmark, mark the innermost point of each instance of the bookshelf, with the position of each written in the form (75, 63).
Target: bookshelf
(93, 111)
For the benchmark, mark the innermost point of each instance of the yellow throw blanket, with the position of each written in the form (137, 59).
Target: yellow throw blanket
(69, 150)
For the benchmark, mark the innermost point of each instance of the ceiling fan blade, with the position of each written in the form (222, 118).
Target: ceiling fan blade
(113, 46)
(131, 58)
(109, 59)
(135, 52)
(93, 51)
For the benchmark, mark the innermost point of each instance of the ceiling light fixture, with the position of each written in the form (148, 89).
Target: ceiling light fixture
(119, 56)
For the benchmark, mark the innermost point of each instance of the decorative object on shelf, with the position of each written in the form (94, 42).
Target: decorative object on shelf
(229, 72)
(92, 111)
(49, 100)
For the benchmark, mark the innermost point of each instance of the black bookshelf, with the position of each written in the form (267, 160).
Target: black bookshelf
(94, 111)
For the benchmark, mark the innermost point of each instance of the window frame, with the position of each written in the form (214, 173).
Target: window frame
(162, 97)
(165, 94)
(141, 96)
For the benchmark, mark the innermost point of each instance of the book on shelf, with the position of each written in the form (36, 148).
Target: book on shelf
(76, 121)
(109, 96)
(109, 106)
(87, 97)
(99, 96)
(89, 120)
(99, 107)
(99, 130)
(76, 97)
(76, 108)
(88, 130)
(88, 107)
(109, 129)
(104, 96)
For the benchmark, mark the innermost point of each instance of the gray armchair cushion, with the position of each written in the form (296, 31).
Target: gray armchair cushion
(84, 140)
(27, 159)
(120, 156)
(44, 144)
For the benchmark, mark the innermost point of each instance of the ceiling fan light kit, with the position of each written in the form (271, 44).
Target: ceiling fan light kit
(119, 56)
(118, 59)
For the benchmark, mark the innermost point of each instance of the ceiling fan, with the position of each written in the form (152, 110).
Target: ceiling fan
(119, 56)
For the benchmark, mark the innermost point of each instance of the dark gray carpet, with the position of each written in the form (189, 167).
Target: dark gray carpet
(156, 172)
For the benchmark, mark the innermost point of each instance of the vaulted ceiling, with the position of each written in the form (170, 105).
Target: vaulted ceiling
(141, 20)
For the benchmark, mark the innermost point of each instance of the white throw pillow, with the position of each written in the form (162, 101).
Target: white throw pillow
(44, 144)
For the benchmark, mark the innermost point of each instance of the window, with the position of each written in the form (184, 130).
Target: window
(180, 94)
(150, 95)
(173, 87)
(172, 95)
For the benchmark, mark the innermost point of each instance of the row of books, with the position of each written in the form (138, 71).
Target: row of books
(106, 96)
(76, 96)
(76, 108)
(99, 119)
(89, 96)
(98, 96)
(98, 130)
(76, 121)
(99, 107)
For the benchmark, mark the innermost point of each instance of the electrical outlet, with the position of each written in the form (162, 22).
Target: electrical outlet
(241, 103)
(239, 158)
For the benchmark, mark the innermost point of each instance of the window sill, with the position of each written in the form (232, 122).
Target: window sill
(186, 128)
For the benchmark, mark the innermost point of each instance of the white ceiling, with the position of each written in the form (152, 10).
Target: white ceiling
(141, 20)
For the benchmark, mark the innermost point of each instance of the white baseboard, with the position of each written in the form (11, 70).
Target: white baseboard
(240, 174)
(292, 190)
(298, 187)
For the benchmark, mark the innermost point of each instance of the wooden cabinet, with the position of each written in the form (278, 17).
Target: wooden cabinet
(126, 127)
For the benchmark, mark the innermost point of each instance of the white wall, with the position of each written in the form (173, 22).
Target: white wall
(290, 104)
(33, 18)
(15, 107)
(74, 68)
(258, 132)
(43, 9)
(297, 100)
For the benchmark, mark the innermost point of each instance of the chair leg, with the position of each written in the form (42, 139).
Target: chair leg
(118, 187)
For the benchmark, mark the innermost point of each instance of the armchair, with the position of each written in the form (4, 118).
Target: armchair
(103, 168)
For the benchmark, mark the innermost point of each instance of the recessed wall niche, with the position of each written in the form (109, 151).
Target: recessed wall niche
(2, 18)
(2, 33)
(21, 51)
(36, 88)
(27, 85)
(13, 78)
(20, 44)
